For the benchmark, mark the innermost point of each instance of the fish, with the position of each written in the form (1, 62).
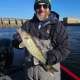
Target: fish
(29, 43)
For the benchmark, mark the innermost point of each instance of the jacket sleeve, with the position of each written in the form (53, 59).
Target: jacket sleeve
(26, 26)
(61, 49)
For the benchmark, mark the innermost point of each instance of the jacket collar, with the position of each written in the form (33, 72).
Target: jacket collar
(52, 17)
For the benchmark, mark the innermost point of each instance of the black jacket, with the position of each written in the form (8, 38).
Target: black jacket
(51, 33)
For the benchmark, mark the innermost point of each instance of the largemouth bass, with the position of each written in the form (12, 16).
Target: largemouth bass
(34, 50)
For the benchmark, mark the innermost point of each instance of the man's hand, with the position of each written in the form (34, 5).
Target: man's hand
(16, 40)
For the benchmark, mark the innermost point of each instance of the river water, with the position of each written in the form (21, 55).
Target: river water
(74, 38)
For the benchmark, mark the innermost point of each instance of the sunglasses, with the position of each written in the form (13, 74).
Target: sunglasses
(38, 6)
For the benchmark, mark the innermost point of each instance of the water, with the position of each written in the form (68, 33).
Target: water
(7, 32)
(74, 38)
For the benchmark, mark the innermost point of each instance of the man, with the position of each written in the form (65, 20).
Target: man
(51, 38)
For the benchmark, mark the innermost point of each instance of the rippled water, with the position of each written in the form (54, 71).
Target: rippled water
(74, 38)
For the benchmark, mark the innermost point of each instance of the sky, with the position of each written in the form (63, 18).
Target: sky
(25, 8)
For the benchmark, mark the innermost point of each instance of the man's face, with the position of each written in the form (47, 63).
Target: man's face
(42, 11)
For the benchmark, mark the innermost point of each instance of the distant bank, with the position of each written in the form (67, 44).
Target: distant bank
(71, 21)
(14, 22)
(11, 22)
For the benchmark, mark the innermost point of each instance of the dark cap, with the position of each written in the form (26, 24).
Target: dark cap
(48, 2)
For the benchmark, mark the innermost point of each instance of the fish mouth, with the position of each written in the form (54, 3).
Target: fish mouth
(21, 45)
